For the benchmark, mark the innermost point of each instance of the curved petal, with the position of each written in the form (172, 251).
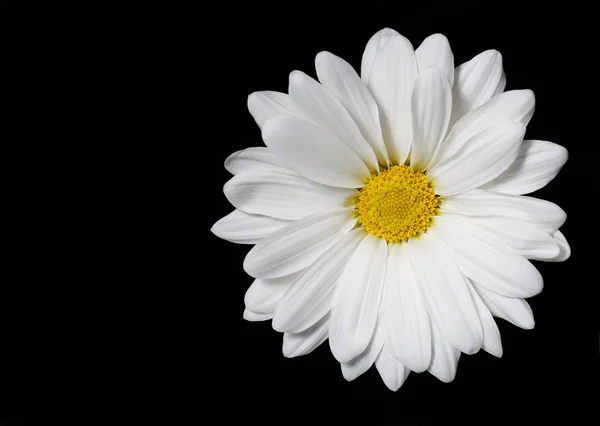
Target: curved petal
(391, 81)
(373, 47)
(299, 344)
(255, 316)
(482, 158)
(563, 246)
(537, 163)
(444, 358)
(528, 240)
(514, 310)
(431, 107)
(445, 292)
(516, 106)
(478, 202)
(492, 342)
(361, 364)
(263, 295)
(267, 104)
(435, 51)
(284, 196)
(298, 245)
(243, 228)
(338, 76)
(392, 372)
(310, 296)
(476, 82)
(254, 158)
(323, 109)
(357, 299)
(314, 152)
(487, 261)
(403, 315)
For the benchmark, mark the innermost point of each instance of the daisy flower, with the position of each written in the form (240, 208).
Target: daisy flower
(388, 211)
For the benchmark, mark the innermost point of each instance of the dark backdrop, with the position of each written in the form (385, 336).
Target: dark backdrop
(140, 321)
(544, 372)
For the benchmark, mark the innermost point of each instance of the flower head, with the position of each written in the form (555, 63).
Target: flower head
(388, 210)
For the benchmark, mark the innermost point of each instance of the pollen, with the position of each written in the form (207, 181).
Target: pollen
(397, 203)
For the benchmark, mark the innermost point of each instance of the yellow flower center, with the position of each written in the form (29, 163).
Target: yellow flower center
(396, 204)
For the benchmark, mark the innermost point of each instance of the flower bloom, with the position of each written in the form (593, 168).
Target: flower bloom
(388, 209)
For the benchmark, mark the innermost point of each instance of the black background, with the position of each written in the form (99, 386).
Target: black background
(140, 320)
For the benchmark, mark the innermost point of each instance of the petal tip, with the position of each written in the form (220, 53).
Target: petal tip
(471, 349)
(492, 53)
(444, 376)
(323, 55)
(288, 350)
(246, 314)
(270, 125)
(348, 374)
(346, 353)
(393, 388)
(387, 31)
(529, 93)
(529, 325)
(419, 368)
(279, 324)
(439, 36)
(247, 264)
(566, 255)
(251, 97)
(562, 153)
(214, 229)
(446, 379)
(297, 77)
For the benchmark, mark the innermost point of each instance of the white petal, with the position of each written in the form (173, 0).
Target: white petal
(476, 82)
(324, 110)
(263, 295)
(254, 158)
(563, 247)
(527, 239)
(444, 358)
(359, 365)
(296, 246)
(243, 228)
(492, 343)
(373, 47)
(537, 164)
(445, 292)
(298, 344)
(392, 372)
(391, 81)
(514, 106)
(255, 316)
(283, 196)
(310, 296)
(431, 107)
(435, 51)
(314, 152)
(478, 202)
(357, 298)
(482, 158)
(487, 261)
(403, 315)
(514, 310)
(267, 104)
(339, 78)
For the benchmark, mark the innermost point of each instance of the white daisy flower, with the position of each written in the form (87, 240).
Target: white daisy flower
(388, 209)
